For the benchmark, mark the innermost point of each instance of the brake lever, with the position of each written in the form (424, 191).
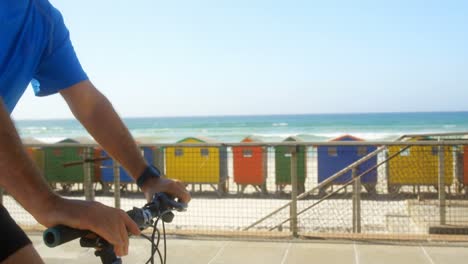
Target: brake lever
(178, 206)
(168, 202)
(104, 249)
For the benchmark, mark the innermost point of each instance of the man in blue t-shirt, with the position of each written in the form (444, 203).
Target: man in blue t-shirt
(35, 48)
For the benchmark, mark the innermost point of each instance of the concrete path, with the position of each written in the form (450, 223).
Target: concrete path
(192, 251)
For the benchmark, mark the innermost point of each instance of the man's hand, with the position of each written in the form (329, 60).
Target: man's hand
(174, 188)
(114, 225)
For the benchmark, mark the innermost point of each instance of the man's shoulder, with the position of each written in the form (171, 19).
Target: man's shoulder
(9, 6)
(12, 11)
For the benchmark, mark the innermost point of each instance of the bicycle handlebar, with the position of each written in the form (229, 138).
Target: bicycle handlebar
(161, 205)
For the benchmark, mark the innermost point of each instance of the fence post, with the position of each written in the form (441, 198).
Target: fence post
(356, 202)
(87, 179)
(159, 158)
(458, 169)
(442, 212)
(116, 169)
(293, 207)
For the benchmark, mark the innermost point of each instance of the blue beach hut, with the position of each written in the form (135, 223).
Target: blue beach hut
(107, 171)
(332, 159)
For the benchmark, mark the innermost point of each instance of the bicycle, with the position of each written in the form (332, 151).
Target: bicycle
(160, 207)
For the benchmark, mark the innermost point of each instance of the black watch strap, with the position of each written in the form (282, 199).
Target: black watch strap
(150, 172)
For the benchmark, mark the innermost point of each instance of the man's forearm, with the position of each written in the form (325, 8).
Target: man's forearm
(18, 174)
(96, 113)
(103, 123)
(108, 129)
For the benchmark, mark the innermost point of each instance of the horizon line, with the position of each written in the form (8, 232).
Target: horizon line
(249, 115)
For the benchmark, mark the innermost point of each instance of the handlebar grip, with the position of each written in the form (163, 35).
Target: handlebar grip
(58, 235)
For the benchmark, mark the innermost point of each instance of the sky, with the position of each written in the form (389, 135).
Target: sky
(257, 57)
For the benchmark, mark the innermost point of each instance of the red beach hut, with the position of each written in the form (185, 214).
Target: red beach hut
(250, 165)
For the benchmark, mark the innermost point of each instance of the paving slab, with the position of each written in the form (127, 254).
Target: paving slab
(390, 254)
(447, 255)
(320, 253)
(223, 251)
(192, 251)
(251, 253)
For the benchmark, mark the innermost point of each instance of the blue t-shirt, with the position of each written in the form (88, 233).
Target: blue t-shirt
(35, 47)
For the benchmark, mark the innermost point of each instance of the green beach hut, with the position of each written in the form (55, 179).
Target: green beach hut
(56, 157)
(283, 165)
(36, 153)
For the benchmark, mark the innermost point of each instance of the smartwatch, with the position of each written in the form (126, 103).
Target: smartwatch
(150, 172)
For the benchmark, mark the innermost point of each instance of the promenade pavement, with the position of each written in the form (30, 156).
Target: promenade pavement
(201, 251)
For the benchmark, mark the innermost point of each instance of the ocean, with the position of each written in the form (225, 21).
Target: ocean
(270, 128)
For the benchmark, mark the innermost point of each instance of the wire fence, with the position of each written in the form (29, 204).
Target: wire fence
(400, 191)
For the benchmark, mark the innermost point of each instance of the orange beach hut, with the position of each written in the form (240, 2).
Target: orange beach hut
(250, 165)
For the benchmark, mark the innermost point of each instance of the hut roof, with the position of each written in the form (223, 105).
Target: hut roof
(347, 138)
(78, 140)
(292, 138)
(251, 139)
(199, 139)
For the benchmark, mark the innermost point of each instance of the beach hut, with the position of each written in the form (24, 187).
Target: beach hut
(250, 165)
(283, 165)
(56, 157)
(152, 155)
(198, 164)
(332, 159)
(35, 152)
(152, 152)
(418, 166)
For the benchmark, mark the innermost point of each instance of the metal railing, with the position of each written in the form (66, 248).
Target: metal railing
(393, 190)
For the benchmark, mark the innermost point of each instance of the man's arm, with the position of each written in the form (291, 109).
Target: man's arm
(96, 113)
(18, 174)
(20, 177)
(98, 116)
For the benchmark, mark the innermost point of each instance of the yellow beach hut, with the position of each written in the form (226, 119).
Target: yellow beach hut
(418, 166)
(198, 164)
